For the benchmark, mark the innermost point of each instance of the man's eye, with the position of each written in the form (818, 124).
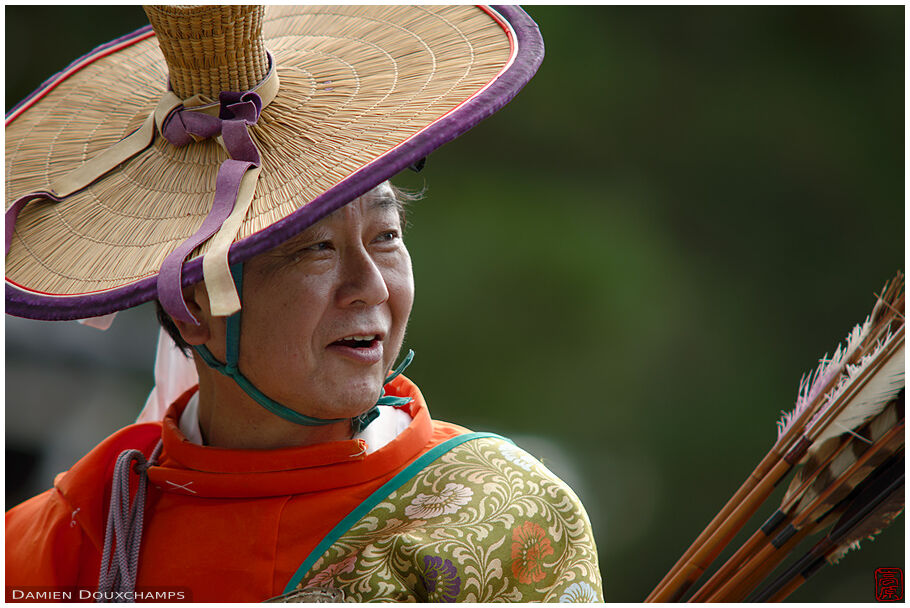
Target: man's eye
(388, 235)
(320, 246)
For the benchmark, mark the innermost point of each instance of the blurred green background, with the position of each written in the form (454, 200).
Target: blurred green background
(627, 270)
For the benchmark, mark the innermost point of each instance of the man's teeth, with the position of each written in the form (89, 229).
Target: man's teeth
(369, 338)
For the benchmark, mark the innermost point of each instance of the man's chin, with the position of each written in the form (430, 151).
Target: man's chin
(351, 402)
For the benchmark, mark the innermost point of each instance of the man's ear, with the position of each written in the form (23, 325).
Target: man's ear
(197, 302)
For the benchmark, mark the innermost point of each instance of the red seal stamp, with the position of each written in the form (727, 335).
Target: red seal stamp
(889, 585)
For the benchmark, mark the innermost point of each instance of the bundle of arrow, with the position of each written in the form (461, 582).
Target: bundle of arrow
(843, 444)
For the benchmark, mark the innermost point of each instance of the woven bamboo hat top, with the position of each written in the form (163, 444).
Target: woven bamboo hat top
(221, 131)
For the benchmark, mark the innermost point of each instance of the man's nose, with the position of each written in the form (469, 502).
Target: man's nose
(362, 281)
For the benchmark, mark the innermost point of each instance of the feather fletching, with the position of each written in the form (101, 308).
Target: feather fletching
(883, 517)
(880, 387)
(863, 346)
(858, 457)
(811, 386)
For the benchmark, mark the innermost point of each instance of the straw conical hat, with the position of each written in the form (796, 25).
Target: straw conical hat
(360, 92)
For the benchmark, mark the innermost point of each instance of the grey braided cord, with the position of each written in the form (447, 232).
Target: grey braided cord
(124, 525)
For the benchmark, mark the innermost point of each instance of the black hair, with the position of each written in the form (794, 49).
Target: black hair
(168, 325)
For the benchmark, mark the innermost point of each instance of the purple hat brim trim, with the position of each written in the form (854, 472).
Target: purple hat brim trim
(528, 57)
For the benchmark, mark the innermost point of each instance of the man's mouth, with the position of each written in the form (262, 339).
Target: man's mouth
(366, 341)
(362, 348)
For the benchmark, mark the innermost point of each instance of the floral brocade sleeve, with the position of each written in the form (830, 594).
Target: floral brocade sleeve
(484, 522)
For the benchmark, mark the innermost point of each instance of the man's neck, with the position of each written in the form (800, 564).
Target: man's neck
(229, 418)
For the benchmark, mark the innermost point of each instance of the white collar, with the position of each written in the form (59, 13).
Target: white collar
(386, 427)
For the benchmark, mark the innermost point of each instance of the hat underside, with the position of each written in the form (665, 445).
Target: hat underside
(360, 99)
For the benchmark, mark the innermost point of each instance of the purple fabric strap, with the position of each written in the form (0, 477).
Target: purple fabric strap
(181, 127)
(13, 212)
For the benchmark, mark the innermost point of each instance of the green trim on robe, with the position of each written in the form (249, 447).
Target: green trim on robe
(483, 522)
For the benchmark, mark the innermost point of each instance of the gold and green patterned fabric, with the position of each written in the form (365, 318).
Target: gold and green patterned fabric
(476, 519)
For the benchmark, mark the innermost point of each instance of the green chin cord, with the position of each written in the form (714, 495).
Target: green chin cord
(229, 368)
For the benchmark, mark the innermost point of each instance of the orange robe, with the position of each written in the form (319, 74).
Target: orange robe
(227, 525)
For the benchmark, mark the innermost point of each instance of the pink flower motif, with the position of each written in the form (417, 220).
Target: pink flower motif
(326, 577)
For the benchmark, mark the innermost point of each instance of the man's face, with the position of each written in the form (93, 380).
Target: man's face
(324, 314)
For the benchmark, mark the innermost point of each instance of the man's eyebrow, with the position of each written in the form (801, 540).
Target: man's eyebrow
(380, 202)
(386, 201)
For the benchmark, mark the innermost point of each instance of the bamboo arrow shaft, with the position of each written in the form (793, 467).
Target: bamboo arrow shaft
(669, 587)
(795, 583)
(728, 569)
(760, 539)
(721, 531)
(692, 563)
(796, 575)
(881, 333)
(887, 481)
(756, 569)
